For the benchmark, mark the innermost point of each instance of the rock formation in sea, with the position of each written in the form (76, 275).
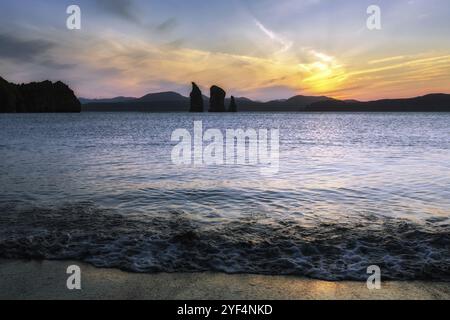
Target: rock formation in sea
(196, 99)
(37, 97)
(217, 100)
(233, 105)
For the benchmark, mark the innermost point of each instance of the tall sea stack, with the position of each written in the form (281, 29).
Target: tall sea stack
(196, 99)
(37, 97)
(217, 100)
(233, 105)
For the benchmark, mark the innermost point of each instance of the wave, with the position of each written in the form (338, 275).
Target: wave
(176, 241)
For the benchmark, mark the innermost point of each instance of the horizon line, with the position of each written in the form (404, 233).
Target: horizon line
(271, 100)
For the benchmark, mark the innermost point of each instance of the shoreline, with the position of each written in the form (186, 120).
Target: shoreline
(46, 280)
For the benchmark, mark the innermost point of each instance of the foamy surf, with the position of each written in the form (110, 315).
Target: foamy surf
(257, 244)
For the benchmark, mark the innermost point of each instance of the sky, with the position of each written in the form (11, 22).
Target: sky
(260, 49)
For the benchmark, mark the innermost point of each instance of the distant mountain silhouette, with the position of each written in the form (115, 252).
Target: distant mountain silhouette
(151, 97)
(429, 103)
(163, 96)
(37, 97)
(152, 102)
(110, 100)
(174, 102)
(300, 101)
(295, 103)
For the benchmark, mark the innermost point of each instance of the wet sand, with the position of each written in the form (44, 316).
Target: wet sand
(47, 280)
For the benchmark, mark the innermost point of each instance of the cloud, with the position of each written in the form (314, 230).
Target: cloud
(167, 25)
(21, 50)
(286, 44)
(144, 66)
(121, 8)
(396, 76)
(389, 59)
(50, 64)
(322, 56)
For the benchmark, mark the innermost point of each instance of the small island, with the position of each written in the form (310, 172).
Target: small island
(37, 97)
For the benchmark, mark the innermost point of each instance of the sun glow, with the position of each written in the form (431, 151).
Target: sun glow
(310, 73)
(262, 51)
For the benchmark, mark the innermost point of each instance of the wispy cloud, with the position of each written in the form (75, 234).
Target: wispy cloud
(30, 51)
(285, 44)
(384, 60)
(398, 76)
(120, 8)
(167, 25)
(23, 50)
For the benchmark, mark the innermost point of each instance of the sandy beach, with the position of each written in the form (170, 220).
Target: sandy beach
(47, 280)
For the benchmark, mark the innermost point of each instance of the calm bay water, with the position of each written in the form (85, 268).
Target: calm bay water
(352, 190)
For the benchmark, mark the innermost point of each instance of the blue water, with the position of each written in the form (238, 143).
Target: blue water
(352, 190)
